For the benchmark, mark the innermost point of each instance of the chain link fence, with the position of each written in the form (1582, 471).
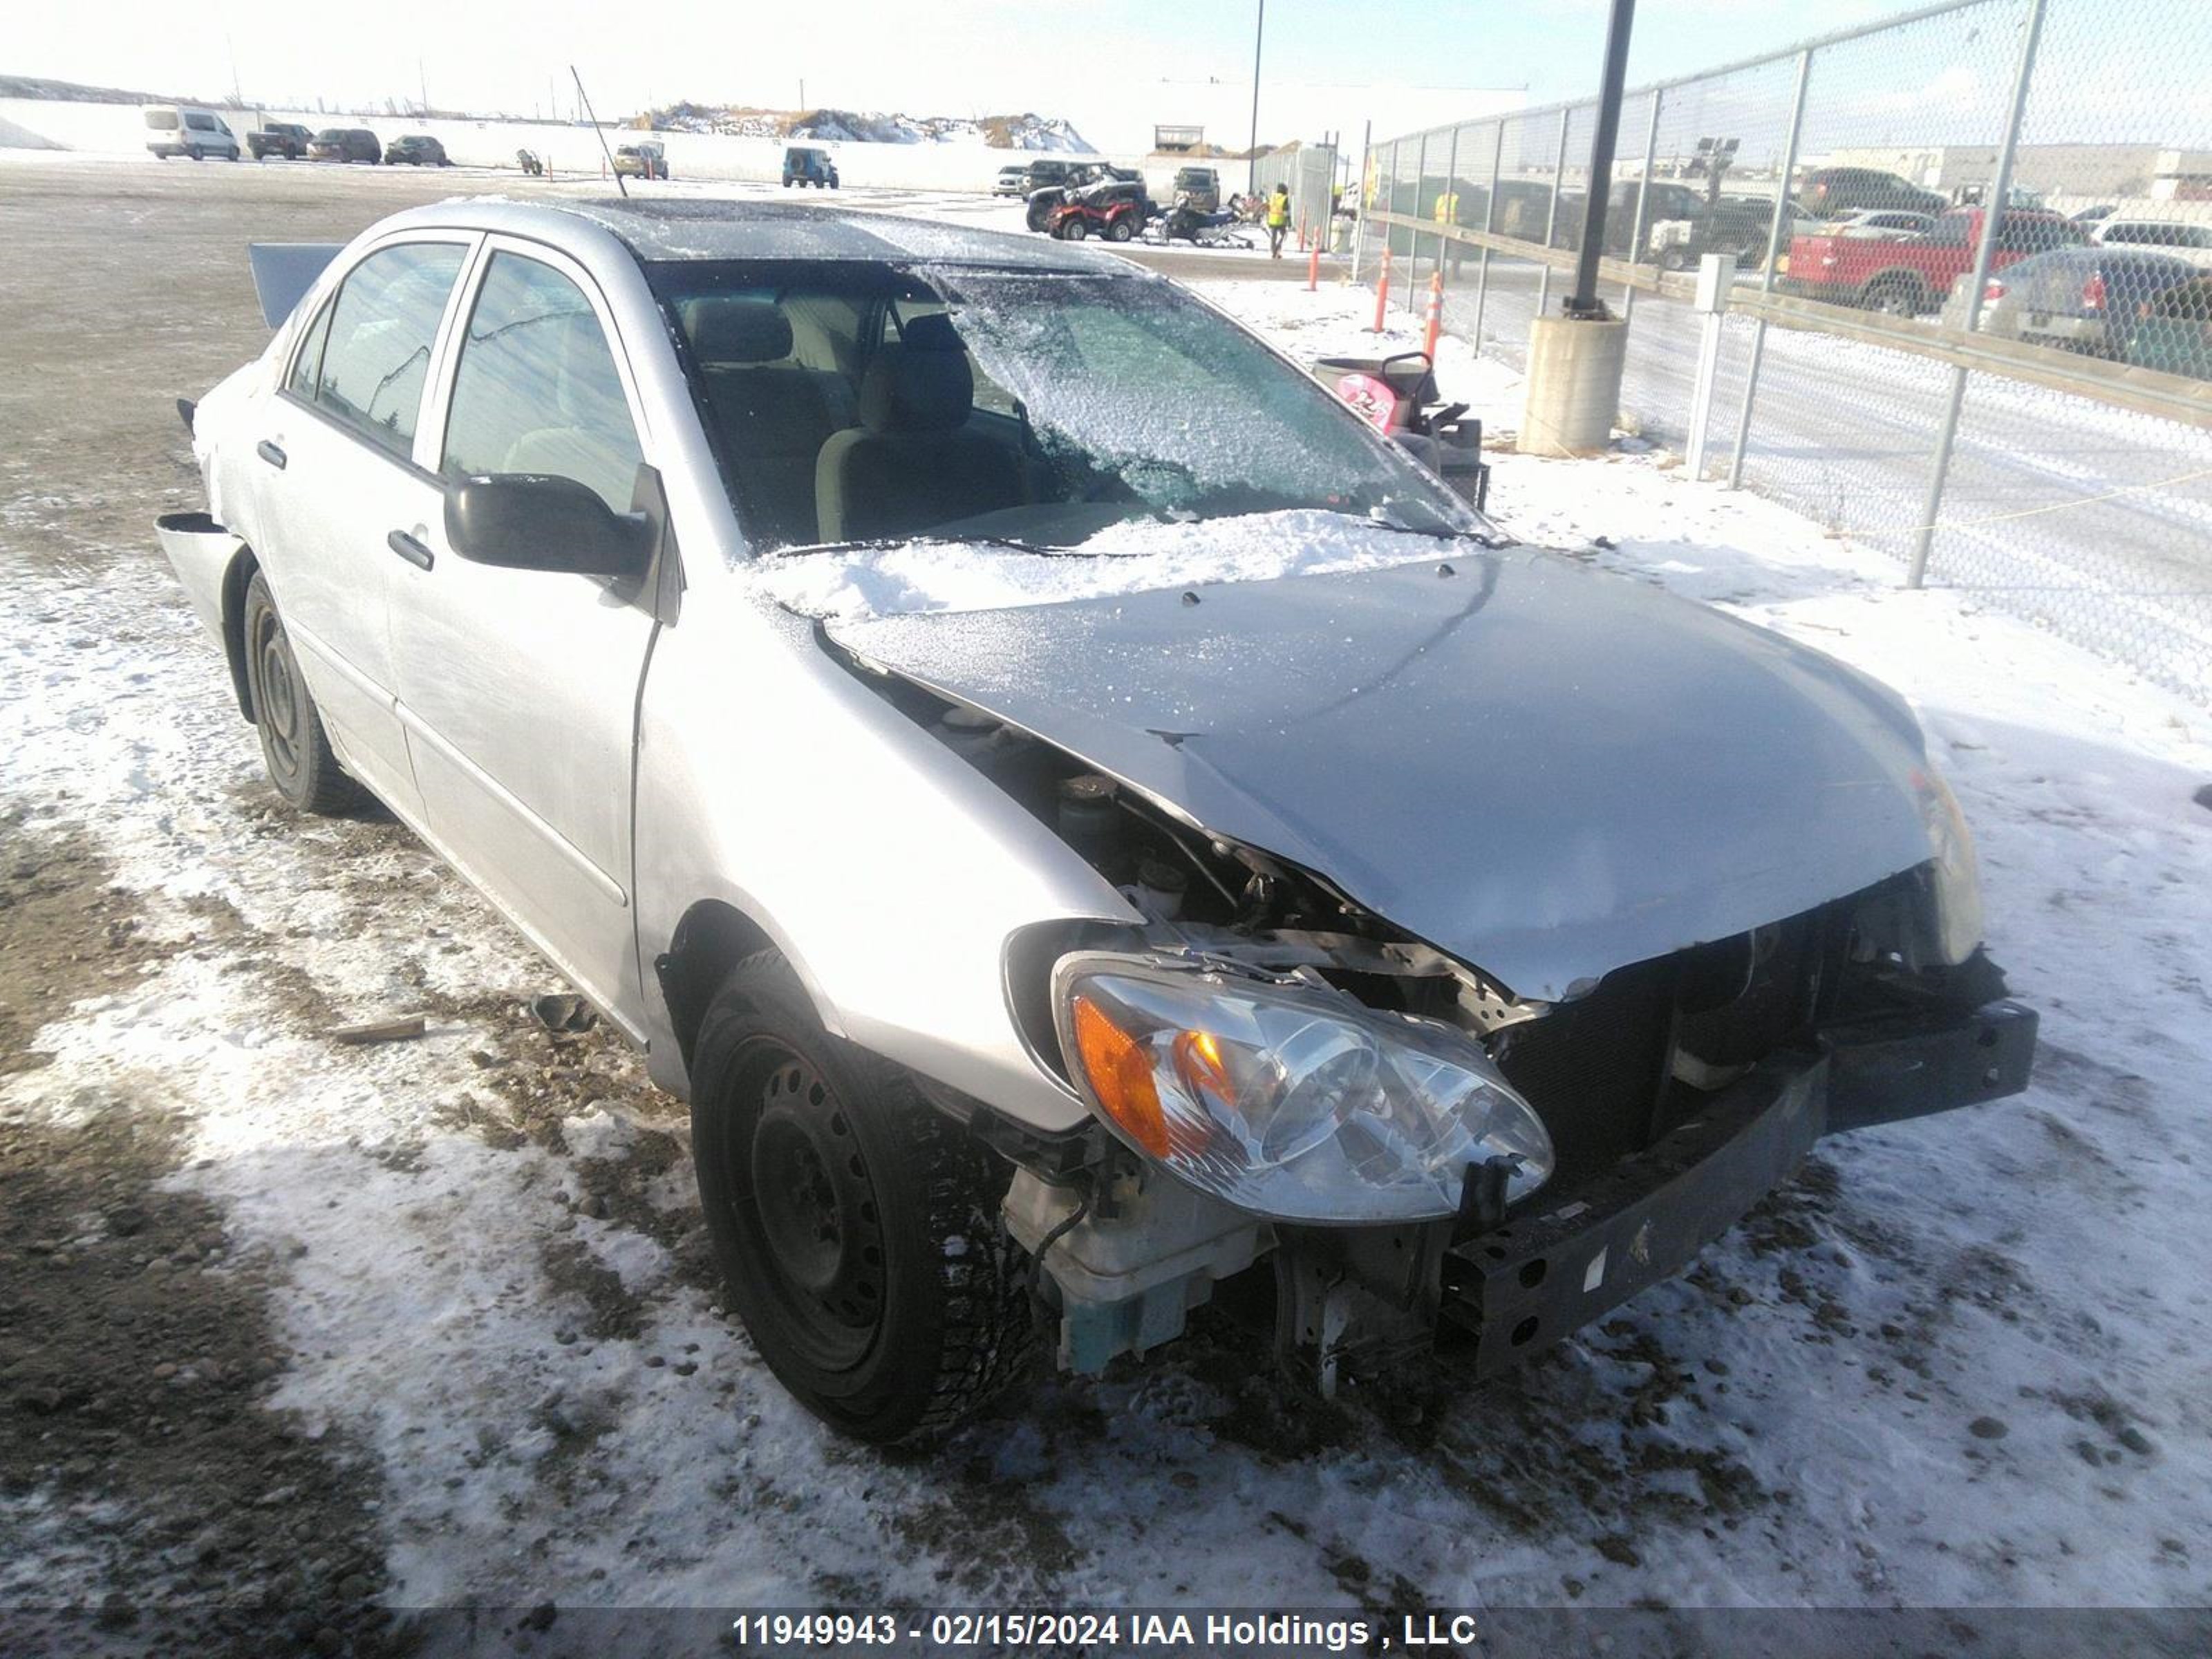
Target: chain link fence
(1309, 170)
(1971, 324)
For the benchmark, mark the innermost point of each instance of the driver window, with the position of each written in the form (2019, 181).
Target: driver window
(536, 390)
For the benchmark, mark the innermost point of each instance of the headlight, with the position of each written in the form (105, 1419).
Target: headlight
(1958, 871)
(1285, 1101)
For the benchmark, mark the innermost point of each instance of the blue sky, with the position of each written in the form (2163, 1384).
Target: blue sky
(958, 56)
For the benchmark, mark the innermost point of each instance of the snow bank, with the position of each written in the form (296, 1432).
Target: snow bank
(1133, 557)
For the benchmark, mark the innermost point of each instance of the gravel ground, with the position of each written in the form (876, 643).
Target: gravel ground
(298, 1340)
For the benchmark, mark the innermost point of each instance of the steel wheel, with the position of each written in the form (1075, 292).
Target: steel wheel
(857, 1229)
(813, 1210)
(294, 745)
(278, 700)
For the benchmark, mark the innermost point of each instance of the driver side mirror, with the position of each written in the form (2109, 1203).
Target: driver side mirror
(537, 521)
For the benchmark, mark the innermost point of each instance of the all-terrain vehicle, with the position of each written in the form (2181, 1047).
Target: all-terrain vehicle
(1115, 207)
(1397, 395)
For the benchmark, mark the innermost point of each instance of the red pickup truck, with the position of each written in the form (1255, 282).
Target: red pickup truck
(1910, 277)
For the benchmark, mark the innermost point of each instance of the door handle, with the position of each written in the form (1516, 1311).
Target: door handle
(269, 452)
(410, 550)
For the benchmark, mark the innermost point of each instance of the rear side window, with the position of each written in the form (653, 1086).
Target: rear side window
(536, 390)
(162, 120)
(200, 122)
(308, 366)
(377, 357)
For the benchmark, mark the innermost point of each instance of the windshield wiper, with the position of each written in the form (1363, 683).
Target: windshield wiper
(873, 543)
(1442, 533)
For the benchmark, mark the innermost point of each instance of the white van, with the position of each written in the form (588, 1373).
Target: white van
(188, 130)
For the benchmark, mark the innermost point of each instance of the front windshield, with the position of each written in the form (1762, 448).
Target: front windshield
(858, 402)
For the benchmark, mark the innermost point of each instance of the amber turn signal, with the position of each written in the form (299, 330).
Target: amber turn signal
(1121, 1075)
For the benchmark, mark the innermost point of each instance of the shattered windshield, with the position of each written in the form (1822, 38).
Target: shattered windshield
(860, 402)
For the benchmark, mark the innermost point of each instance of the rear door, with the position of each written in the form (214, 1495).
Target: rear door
(336, 471)
(519, 687)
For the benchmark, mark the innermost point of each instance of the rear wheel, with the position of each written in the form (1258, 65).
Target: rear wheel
(857, 1228)
(1123, 228)
(1895, 296)
(294, 746)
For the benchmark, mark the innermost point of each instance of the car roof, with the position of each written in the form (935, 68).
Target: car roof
(667, 228)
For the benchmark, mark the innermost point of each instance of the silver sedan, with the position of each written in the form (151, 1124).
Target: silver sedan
(1082, 818)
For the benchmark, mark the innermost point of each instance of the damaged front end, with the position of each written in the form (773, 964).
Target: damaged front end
(1413, 1052)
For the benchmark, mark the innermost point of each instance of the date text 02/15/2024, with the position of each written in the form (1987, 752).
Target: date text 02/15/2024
(1252, 1632)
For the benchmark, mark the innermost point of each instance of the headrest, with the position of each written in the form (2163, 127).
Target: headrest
(932, 331)
(920, 384)
(732, 328)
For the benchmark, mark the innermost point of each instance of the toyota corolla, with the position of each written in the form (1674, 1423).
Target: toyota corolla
(1087, 822)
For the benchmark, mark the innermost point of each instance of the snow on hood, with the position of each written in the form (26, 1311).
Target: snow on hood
(1135, 556)
(1543, 770)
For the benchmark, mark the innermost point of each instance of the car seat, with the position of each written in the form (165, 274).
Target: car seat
(914, 462)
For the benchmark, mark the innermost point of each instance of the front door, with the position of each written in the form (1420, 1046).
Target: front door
(519, 689)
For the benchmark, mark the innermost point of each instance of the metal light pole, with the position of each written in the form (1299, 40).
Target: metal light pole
(1252, 148)
(1583, 301)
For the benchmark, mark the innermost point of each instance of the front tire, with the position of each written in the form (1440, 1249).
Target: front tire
(856, 1228)
(294, 746)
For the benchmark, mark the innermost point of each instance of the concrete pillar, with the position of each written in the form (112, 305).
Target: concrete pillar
(1574, 386)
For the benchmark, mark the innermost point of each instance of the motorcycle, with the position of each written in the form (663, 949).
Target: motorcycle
(1397, 396)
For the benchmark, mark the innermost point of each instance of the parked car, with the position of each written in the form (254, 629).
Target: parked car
(2184, 240)
(1052, 172)
(1201, 186)
(189, 131)
(1831, 192)
(646, 159)
(2089, 215)
(2088, 300)
(2174, 333)
(998, 1014)
(1739, 225)
(288, 139)
(346, 144)
(1883, 224)
(416, 149)
(804, 164)
(1012, 181)
(1908, 278)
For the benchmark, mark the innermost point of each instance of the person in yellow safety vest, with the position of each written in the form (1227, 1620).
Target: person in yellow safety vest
(1279, 220)
(1446, 212)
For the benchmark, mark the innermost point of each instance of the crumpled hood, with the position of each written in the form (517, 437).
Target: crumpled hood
(1545, 771)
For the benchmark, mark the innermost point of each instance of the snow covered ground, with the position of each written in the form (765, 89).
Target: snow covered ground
(1961, 1363)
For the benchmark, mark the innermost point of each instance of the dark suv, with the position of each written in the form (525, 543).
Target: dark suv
(416, 149)
(804, 165)
(346, 144)
(1830, 192)
(285, 139)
